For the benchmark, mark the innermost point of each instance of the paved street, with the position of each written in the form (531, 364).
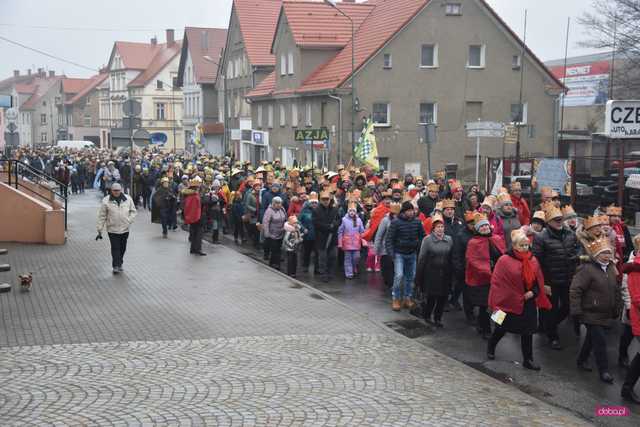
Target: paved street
(217, 340)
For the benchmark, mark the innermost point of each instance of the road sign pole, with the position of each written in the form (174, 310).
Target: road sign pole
(426, 140)
(131, 167)
(477, 159)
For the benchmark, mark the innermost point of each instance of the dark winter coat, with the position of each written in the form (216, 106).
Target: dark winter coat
(595, 296)
(306, 220)
(326, 222)
(458, 253)
(557, 253)
(426, 205)
(452, 226)
(404, 236)
(508, 223)
(433, 273)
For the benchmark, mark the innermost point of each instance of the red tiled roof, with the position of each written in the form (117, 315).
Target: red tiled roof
(205, 70)
(213, 128)
(24, 79)
(257, 20)
(316, 24)
(93, 83)
(72, 85)
(25, 88)
(386, 19)
(136, 56)
(42, 86)
(162, 57)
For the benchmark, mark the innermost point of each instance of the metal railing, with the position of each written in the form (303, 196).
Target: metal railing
(18, 173)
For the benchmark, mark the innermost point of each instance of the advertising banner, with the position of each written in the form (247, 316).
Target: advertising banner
(588, 84)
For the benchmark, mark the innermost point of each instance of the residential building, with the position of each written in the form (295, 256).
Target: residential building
(246, 62)
(145, 72)
(199, 59)
(416, 62)
(79, 111)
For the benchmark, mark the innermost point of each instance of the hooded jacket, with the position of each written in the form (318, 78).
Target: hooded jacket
(556, 251)
(350, 234)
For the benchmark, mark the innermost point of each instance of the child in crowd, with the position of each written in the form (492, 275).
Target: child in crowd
(293, 233)
(350, 240)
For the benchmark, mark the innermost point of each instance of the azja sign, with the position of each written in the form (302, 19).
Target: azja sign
(622, 119)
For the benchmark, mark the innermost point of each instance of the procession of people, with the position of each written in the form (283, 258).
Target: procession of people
(438, 245)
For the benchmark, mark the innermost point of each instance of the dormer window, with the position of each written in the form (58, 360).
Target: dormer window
(159, 84)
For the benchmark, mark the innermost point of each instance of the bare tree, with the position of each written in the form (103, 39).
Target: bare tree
(615, 26)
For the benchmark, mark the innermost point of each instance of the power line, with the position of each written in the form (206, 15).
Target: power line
(48, 27)
(47, 54)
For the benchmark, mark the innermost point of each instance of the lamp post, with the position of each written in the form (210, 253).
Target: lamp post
(332, 3)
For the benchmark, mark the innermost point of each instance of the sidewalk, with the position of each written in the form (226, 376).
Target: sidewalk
(217, 340)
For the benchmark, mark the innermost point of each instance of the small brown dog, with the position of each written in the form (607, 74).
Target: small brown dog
(25, 282)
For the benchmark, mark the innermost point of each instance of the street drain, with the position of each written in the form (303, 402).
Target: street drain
(410, 328)
(316, 296)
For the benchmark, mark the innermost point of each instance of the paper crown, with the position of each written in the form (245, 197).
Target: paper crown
(592, 221)
(469, 216)
(599, 245)
(614, 211)
(352, 205)
(437, 217)
(552, 213)
(438, 207)
(517, 235)
(433, 187)
(478, 216)
(489, 201)
(539, 215)
(504, 198)
(195, 182)
(455, 185)
(395, 208)
(516, 185)
(605, 220)
(448, 203)
(439, 175)
(397, 187)
(568, 212)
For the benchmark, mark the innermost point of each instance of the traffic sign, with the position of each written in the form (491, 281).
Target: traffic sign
(485, 133)
(131, 107)
(480, 125)
(311, 134)
(131, 122)
(622, 119)
(11, 114)
(510, 134)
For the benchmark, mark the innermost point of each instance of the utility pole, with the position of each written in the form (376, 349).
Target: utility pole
(520, 106)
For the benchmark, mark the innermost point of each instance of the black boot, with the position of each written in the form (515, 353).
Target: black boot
(630, 380)
(216, 236)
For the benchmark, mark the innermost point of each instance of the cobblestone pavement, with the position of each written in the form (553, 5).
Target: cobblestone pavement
(218, 340)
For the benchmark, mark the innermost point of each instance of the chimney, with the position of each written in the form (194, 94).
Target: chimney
(52, 73)
(16, 73)
(154, 41)
(170, 37)
(40, 71)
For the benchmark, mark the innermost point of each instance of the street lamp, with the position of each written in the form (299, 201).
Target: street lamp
(332, 3)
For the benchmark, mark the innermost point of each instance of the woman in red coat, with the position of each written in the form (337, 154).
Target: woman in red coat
(517, 289)
(483, 252)
(632, 281)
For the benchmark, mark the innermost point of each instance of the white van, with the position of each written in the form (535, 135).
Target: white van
(77, 145)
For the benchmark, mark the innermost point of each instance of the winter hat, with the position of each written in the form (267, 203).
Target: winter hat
(480, 220)
(406, 206)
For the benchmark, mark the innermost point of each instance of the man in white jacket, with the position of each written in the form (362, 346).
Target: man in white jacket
(117, 212)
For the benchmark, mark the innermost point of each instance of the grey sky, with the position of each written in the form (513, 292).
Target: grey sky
(115, 19)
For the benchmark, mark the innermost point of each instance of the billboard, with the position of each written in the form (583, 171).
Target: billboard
(588, 84)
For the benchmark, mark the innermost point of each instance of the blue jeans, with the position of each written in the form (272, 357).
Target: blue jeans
(405, 267)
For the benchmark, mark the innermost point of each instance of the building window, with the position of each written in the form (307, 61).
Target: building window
(259, 116)
(476, 56)
(381, 114)
(385, 165)
(270, 116)
(519, 113)
(159, 84)
(283, 64)
(290, 63)
(294, 114)
(283, 115)
(307, 115)
(387, 61)
(429, 56)
(87, 121)
(515, 62)
(160, 111)
(43, 119)
(428, 113)
(288, 156)
(453, 9)
(43, 137)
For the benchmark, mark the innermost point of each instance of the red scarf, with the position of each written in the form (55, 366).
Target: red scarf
(528, 274)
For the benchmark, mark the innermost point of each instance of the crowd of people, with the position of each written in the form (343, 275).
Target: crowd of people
(439, 246)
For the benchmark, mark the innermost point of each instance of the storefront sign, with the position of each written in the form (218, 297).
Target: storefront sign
(622, 119)
(320, 134)
(588, 84)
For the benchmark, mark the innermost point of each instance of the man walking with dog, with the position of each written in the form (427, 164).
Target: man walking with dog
(116, 214)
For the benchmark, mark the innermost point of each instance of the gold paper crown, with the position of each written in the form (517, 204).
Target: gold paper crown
(433, 187)
(552, 213)
(547, 205)
(568, 211)
(539, 215)
(478, 216)
(598, 245)
(614, 211)
(469, 216)
(439, 175)
(489, 201)
(395, 208)
(437, 217)
(439, 206)
(592, 221)
(504, 197)
(517, 235)
(195, 182)
(605, 220)
(448, 203)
